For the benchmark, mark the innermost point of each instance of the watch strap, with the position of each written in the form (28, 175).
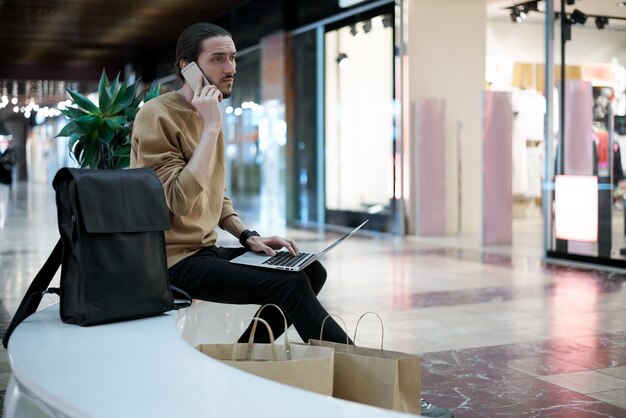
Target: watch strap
(243, 238)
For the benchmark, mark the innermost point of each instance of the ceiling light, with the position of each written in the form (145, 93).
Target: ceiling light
(353, 30)
(516, 16)
(579, 17)
(621, 3)
(601, 22)
(343, 60)
(367, 26)
(387, 21)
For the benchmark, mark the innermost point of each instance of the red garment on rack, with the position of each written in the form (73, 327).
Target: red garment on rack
(603, 146)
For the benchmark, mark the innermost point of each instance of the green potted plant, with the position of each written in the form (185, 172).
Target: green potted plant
(100, 135)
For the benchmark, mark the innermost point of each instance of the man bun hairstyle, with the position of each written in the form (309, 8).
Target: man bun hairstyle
(190, 41)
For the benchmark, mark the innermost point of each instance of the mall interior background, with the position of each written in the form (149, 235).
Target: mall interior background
(383, 110)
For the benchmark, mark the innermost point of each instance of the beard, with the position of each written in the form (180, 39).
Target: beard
(227, 91)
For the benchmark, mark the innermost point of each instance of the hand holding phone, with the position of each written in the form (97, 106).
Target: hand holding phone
(192, 73)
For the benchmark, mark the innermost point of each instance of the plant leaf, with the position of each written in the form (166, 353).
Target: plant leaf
(117, 102)
(152, 93)
(104, 97)
(116, 123)
(74, 138)
(115, 85)
(91, 155)
(78, 150)
(129, 95)
(70, 128)
(106, 135)
(89, 122)
(83, 102)
(122, 151)
(131, 112)
(122, 162)
(73, 112)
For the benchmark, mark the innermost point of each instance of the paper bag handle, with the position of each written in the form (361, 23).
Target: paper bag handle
(287, 347)
(382, 328)
(344, 327)
(251, 340)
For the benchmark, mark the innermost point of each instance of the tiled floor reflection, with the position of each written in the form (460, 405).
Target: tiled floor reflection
(500, 333)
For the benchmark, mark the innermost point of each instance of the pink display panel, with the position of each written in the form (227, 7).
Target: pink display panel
(497, 195)
(578, 151)
(431, 175)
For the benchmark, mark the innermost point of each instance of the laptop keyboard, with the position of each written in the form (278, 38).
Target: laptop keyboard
(284, 258)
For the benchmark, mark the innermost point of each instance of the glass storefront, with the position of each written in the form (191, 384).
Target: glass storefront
(359, 122)
(586, 173)
(244, 154)
(335, 165)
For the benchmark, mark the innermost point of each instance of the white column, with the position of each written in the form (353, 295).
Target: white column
(446, 50)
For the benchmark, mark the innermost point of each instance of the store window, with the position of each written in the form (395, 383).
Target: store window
(359, 121)
(588, 218)
(242, 115)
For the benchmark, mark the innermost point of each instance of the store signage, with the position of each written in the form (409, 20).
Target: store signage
(576, 208)
(348, 3)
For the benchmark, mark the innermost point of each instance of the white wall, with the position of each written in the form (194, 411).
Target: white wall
(447, 61)
(524, 42)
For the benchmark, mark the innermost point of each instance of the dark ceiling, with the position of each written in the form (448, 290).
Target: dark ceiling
(76, 39)
(73, 39)
(46, 44)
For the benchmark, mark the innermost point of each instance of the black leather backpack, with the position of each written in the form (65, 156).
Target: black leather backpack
(111, 251)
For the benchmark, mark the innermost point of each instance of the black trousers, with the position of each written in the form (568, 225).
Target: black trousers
(208, 275)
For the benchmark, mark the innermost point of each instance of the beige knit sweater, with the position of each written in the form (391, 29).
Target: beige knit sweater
(165, 134)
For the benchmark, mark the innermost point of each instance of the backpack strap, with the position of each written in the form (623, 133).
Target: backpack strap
(183, 297)
(35, 291)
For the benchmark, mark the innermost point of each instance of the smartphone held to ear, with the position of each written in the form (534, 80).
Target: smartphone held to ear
(192, 73)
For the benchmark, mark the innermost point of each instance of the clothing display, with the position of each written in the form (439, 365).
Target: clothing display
(529, 108)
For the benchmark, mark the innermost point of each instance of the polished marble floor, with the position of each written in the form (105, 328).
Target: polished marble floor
(500, 332)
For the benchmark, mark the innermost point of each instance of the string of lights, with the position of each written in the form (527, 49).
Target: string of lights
(44, 98)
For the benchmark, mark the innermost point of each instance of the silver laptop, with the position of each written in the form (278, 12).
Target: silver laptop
(283, 260)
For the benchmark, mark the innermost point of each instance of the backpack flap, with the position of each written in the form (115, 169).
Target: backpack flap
(118, 201)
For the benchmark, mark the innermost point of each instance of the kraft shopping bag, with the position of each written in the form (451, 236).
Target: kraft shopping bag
(377, 377)
(303, 366)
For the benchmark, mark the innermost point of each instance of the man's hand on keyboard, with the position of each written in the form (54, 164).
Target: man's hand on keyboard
(267, 245)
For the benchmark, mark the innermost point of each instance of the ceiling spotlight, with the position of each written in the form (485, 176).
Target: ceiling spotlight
(516, 16)
(353, 30)
(387, 21)
(343, 60)
(367, 26)
(579, 17)
(601, 22)
(570, 2)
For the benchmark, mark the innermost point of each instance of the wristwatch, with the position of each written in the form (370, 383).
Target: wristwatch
(243, 238)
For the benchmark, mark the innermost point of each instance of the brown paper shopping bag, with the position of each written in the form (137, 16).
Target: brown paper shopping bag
(377, 377)
(306, 367)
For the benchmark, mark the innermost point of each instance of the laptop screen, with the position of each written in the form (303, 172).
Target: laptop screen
(334, 244)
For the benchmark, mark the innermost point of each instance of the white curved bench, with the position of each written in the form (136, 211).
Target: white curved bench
(143, 368)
